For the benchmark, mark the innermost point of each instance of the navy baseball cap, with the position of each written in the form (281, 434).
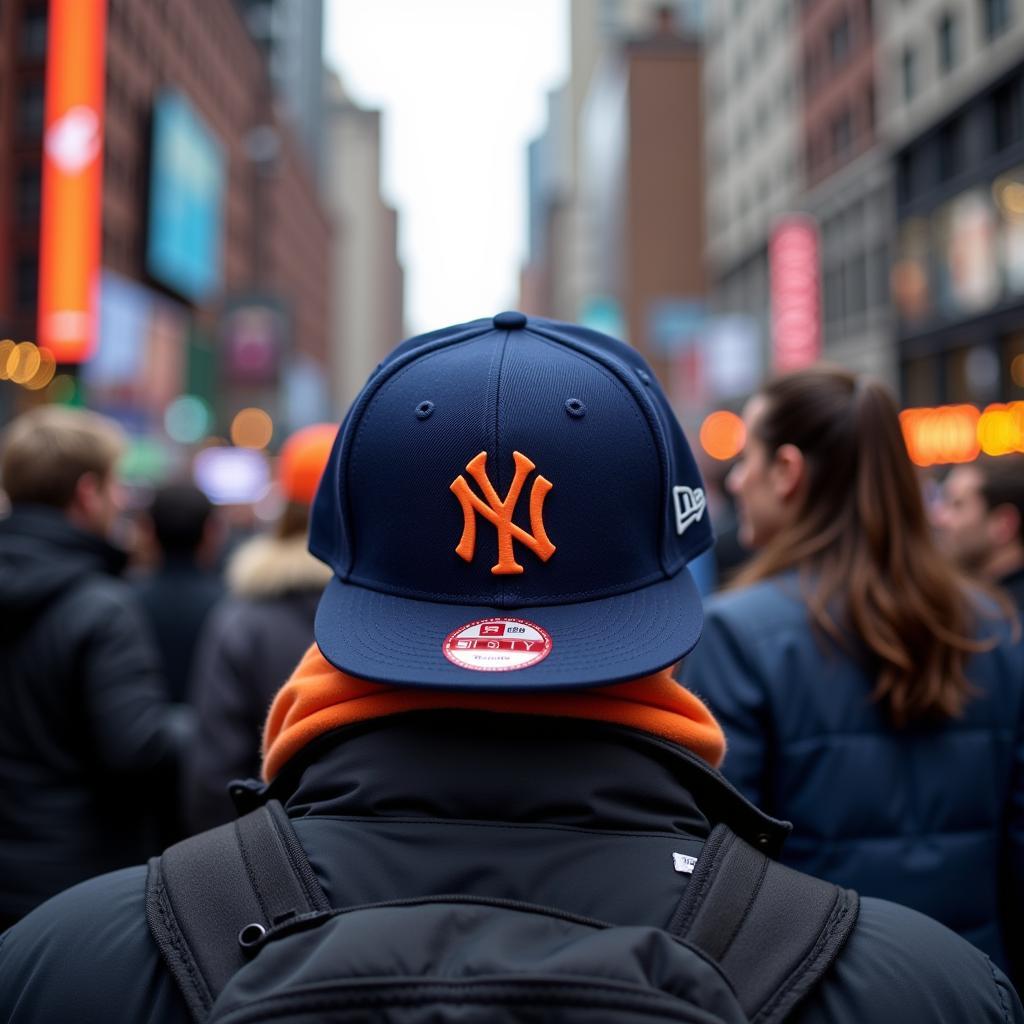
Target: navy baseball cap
(510, 505)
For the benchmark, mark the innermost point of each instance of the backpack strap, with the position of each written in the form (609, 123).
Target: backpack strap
(772, 930)
(207, 896)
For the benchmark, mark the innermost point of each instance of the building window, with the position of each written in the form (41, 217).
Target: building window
(30, 109)
(1008, 114)
(839, 41)
(27, 195)
(857, 285)
(952, 155)
(26, 282)
(909, 73)
(841, 135)
(32, 42)
(995, 17)
(949, 43)
(834, 296)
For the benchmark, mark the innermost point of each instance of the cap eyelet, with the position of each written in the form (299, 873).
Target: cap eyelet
(644, 376)
(251, 935)
(423, 410)
(574, 407)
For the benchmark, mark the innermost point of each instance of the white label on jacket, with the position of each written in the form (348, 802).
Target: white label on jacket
(684, 863)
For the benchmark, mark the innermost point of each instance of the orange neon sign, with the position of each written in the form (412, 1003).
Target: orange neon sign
(960, 433)
(70, 223)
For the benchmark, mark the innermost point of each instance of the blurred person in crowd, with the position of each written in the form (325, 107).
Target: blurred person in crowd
(89, 742)
(868, 694)
(489, 712)
(981, 520)
(178, 595)
(256, 636)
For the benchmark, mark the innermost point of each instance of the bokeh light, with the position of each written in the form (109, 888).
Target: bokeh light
(252, 428)
(946, 434)
(722, 435)
(1017, 370)
(1001, 429)
(23, 363)
(7, 348)
(187, 419)
(45, 371)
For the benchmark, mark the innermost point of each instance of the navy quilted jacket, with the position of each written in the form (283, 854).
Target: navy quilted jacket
(929, 817)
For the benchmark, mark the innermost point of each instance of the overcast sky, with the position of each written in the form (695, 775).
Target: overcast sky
(463, 86)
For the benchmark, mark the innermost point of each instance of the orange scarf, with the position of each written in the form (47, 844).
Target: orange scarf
(319, 698)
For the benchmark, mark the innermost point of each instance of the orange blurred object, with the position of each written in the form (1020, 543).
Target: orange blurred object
(72, 180)
(945, 434)
(303, 460)
(722, 435)
(252, 428)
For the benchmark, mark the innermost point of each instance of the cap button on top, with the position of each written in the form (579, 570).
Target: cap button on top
(512, 320)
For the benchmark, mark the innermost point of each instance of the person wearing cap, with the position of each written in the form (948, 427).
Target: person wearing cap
(488, 708)
(254, 638)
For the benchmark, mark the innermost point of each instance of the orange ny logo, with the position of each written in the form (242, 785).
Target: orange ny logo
(500, 512)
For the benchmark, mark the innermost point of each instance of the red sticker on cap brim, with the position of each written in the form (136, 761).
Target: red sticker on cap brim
(497, 645)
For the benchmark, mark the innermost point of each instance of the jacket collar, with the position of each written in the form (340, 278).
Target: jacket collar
(50, 529)
(471, 765)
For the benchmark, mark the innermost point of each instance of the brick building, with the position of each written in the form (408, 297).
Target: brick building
(272, 235)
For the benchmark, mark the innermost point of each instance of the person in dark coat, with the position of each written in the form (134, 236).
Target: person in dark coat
(434, 740)
(256, 636)
(868, 693)
(981, 521)
(89, 742)
(181, 591)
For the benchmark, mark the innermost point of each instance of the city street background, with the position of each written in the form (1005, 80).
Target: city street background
(217, 217)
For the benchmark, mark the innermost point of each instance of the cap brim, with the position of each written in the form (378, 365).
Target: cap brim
(392, 639)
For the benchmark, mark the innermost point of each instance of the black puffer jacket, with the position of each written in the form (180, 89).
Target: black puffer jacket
(86, 729)
(583, 816)
(249, 647)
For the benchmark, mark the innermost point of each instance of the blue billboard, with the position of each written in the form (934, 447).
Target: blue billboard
(186, 200)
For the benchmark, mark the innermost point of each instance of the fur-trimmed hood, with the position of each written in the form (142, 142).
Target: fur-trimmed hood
(267, 566)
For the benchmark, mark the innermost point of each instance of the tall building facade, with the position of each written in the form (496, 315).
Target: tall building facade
(953, 116)
(848, 182)
(215, 246)
(22, 82)
(561, 276)
(291, 35)
(754, 152)
(367, 285)
(642, 144)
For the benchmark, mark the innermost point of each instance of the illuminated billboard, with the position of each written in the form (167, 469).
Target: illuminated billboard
(140, 361)
(72, 185)
(186, 201)
(964, 258)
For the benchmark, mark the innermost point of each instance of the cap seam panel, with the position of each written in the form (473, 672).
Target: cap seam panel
(499, 468)
(654, 425)
(359, 411)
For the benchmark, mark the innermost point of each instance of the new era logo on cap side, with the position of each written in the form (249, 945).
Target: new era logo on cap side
(690, 504)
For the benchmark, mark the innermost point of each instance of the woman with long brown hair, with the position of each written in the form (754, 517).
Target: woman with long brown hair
(868, 693)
